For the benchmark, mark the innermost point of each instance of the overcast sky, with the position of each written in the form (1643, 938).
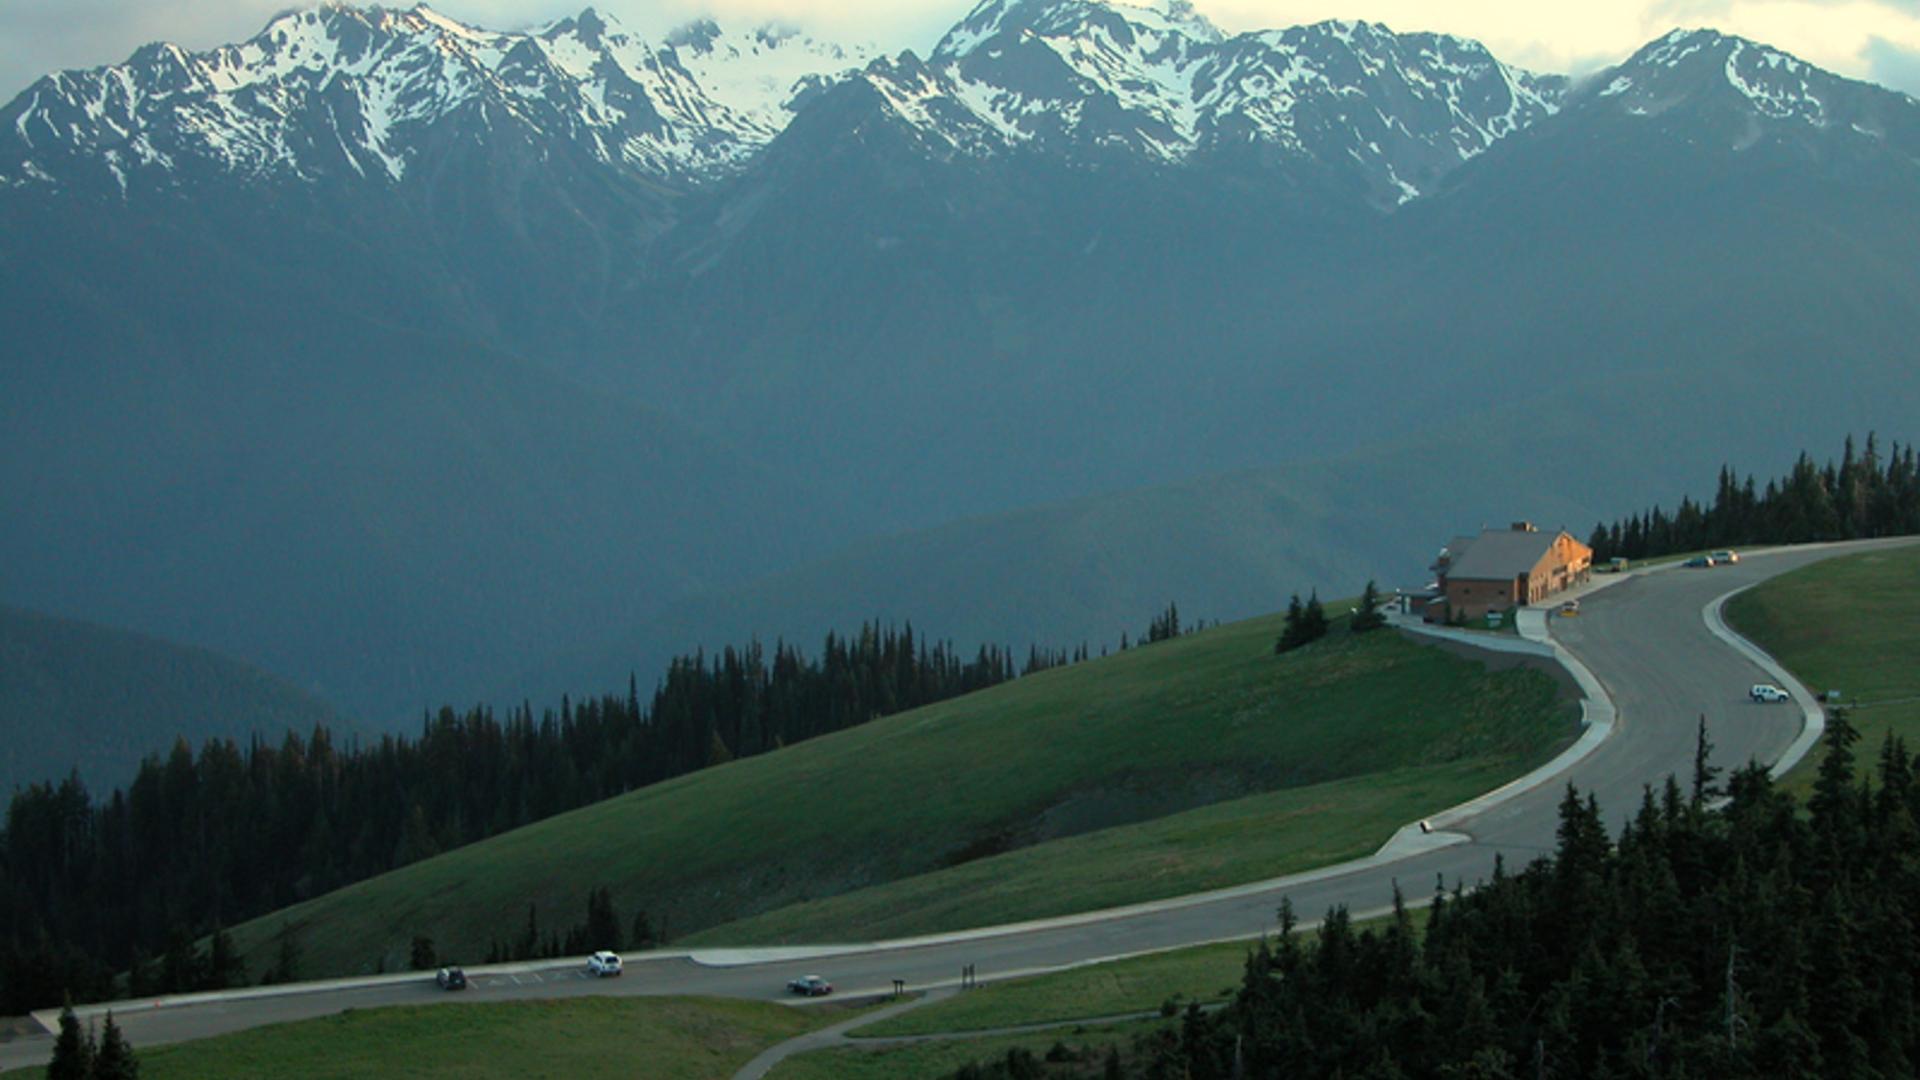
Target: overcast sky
(1869, 39)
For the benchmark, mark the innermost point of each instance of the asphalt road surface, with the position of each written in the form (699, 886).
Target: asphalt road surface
(1644, 639)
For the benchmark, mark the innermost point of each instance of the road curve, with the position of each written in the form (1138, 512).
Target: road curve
(1644, 638)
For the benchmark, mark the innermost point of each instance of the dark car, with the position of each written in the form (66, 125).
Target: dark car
(451, 978)
(1699, 561)
(810, 986)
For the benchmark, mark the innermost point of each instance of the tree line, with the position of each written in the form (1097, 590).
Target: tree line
(1759, 939)
(80, 1054)
(131, 882)
(1867, 494)
(1307, 623)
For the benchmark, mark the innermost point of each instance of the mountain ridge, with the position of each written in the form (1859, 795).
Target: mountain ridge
(690, 109)
(522, 402)
(336, 88)
(96, 700)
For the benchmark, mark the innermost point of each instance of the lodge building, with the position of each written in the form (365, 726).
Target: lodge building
(1505, 568)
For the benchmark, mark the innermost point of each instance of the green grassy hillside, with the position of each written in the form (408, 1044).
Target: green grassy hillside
(1080, 754)
(78, 695)
(1850, 624)
(664, 1038)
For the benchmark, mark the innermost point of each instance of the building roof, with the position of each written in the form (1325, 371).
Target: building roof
(1501, 555)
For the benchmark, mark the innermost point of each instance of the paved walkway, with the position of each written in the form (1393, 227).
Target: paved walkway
(831, 1036)
(837, 1037)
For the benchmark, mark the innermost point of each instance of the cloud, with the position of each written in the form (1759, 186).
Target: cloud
(42, 36)
(1892, 65)
(1863, 38)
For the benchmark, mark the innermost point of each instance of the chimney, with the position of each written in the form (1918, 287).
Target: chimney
(1523, 526)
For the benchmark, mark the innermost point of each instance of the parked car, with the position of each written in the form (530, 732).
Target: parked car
(603, 963)
(1699, 561)
(1728, 557)
(810, 986)
(1768, 692)
(451, 978)
(1570, 607)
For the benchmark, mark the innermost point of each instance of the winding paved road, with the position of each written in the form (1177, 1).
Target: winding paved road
(1643, 637)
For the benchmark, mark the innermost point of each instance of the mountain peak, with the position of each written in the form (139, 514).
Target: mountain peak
(427, 16)
(1171, 15)
(993, 19)
(339, 93)
(1704, 65)
(698, 35)
(1716, 89)
(590, 25)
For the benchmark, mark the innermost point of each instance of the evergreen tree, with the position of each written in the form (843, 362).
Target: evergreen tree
(1867, 494)
(421, 957)
(603, 924)
(181, 968)
(1833, 793)
(1314, 618)
(72, 1050)
(717, 752)
(224, 967)
(1703, 771)
(1305, 623)
(530, 937)
(1290, 629)
(1368, 617)
(116, 1060)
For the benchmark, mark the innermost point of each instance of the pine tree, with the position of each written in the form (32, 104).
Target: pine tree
(1368, 617)
(72, 1050)
(1305, 623)
(717, 752)
(180, 966)
(1833, 788)
(224, 967)
(115, 1060)
(286, 960)
(1315, 618)
(1703, 772)
(421, 956)
(530, 938)
(1290, 631)
(603, 924)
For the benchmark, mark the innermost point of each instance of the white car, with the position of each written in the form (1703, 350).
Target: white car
(1768, 692)
(603, 963)
(1727, 557)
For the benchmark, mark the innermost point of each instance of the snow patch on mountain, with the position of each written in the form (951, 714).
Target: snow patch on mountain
(337, 89)
(1162, 83)
(762, 75)
(1760, 92)
(369, 93)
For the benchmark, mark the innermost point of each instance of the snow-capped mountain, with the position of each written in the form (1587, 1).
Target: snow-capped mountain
(1162, 83)
(338, 90)
(451, 314)
(764, 75)
(1741, 94)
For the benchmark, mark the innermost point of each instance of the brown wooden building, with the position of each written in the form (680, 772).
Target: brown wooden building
(1505, 568)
